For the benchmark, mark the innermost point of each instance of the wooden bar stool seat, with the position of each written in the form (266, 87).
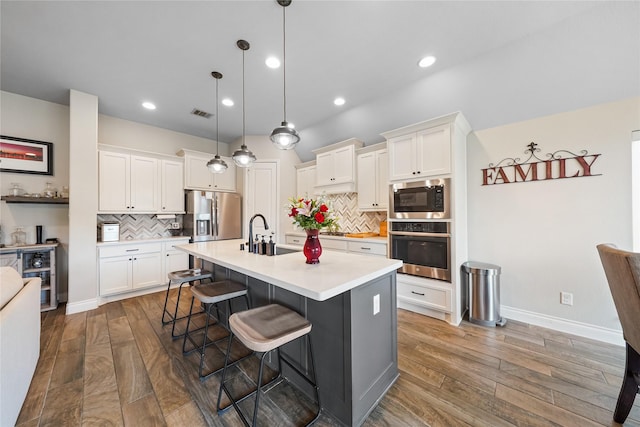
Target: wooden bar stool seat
(181, 277)
(263, 330)
(210, 295)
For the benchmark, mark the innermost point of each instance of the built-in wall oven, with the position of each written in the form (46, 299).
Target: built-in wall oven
(426, 199)
(424, 247)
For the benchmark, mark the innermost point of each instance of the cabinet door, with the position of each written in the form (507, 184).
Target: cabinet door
(402, 157)
(197, 175)
(146, 270)
(113, 182)
(226, 181)
(172, 186)
(433, 148)
(174, 261)
(145, 184)
(382, 179)
(115, 274)
(324, 169)
(344, 165)
(367, 188)
(306, 181)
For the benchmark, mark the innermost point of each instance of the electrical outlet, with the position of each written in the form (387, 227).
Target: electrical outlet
(376, 304)
(175, 225)
(566, 298)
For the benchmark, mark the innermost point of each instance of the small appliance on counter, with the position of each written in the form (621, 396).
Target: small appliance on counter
(109, 231)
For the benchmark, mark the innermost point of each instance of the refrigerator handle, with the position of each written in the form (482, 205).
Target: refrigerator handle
(215, 216)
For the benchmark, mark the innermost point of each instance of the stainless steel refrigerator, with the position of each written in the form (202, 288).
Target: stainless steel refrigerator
(212, 216)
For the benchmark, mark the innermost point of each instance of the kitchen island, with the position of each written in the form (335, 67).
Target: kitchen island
(350, 300)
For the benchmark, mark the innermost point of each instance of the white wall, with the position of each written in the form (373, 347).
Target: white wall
(30, 118)
(83, 202)
(544, 234)
(264, 149)
(114, 131)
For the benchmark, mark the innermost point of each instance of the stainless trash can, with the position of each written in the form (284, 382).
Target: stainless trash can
(483, 284)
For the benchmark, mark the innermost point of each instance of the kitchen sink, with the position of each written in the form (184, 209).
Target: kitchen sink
(281, 251)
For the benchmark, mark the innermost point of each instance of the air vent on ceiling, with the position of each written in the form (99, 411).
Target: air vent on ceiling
(201, 113)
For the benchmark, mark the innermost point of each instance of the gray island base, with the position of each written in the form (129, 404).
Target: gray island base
(354, 332)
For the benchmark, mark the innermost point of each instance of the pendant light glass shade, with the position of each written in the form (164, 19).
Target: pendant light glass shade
(284, 137)
(243, 157)
(217, 165)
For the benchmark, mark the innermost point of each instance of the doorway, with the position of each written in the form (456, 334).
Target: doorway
(262, 196)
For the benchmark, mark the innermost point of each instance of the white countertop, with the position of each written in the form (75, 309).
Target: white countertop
(138, 241)
(336, 273)
(375, 239)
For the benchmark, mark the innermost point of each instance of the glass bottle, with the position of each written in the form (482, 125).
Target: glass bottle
(16, 190)
(19, 237)
(49, 191)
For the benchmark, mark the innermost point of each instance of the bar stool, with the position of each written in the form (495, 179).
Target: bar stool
(181, 276)
(262, 330)
(210, 295)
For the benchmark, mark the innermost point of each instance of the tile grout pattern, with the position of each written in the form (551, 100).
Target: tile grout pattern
(350, 218)
(117, 365)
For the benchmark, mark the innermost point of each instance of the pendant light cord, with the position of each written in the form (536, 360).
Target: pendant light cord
(243, 103)
(284, 60)
(217, 126)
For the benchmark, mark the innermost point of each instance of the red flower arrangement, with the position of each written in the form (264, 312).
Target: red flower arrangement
(310, 214)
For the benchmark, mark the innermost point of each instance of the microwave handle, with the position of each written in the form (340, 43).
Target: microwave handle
(413, 234)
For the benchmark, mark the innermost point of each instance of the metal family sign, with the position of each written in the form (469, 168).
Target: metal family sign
(559, 164)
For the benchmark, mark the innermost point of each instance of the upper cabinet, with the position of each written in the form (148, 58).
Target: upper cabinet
(172, 186)
(421, 153)
(198, 177)
(336, 167)
(306, 179)
(130, 182)
(373, 180)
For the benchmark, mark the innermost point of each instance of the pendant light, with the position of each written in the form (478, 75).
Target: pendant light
(243, 157)
(284, 137)
(217, 165)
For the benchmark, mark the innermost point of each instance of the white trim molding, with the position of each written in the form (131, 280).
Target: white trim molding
(611, 336)
(80, 306)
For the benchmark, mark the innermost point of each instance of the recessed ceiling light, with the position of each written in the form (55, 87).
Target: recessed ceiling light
(149, 105)
(427, 61)
(272, 62)
(228, 102)
(339, 101)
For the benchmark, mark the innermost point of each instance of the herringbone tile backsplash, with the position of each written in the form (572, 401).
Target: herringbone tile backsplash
(350, 219)
(133, 227)
(345, 206)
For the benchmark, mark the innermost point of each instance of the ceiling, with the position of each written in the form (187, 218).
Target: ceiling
(164, 51)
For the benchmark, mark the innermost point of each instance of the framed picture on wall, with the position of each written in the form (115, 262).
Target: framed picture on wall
(21, 155)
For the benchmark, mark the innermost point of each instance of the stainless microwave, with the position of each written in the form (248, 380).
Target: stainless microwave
(426, 199)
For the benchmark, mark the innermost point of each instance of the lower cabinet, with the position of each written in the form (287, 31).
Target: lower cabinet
(343, 244)
(425, 296)
(131, 266)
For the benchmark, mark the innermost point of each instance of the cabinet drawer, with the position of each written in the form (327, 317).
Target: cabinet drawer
(425, 296)
(170, 245)
(333, 244)
(295, 240)
(120, 250)
(367, 248)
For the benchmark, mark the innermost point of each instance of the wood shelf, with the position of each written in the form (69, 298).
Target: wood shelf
(41, 200)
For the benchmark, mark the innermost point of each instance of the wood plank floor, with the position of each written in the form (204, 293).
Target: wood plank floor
(117, 365)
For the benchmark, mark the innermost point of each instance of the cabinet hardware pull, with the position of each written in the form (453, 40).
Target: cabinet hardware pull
(132, 250)
(417, 293)
(365, 248)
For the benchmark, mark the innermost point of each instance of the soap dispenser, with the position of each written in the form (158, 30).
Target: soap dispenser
(255, 244)
(271, 247)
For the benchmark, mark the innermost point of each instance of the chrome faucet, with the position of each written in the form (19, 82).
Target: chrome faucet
(266, 227)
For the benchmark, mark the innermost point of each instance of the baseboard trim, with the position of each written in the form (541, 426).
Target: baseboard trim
(80, 306)
(611, 336)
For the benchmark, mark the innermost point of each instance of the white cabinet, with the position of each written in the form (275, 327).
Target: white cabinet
(198, 177)
(129, 266)
(135, 183)
(367, 248)
(373, 181)
(336, 167)
(172, 186)
(306, 181)
(418, 154)
(174, 259)
(343, 244)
